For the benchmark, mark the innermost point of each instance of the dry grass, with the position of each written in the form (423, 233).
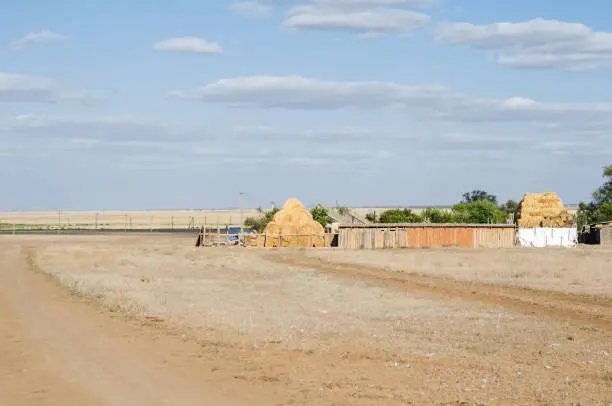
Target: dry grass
(136, 219)
(318, 338)
(584, 269)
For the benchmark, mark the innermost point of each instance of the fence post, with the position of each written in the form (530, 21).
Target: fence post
(96, 226)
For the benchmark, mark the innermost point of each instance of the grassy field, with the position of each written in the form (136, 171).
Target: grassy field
(331, 327)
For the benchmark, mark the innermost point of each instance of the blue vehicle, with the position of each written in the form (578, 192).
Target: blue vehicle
(234, 234)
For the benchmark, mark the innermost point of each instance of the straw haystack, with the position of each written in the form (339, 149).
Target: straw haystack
(293, 226)
(542, 210)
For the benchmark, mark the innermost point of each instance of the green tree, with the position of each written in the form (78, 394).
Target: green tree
(436, 215)
(399, 216)
(371, 217)
(509, 207)
(259, 222)
(321, 215)
(478, 212)
(476, 195)
(600, 207)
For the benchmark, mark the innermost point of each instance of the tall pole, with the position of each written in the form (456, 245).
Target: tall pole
(241, 212)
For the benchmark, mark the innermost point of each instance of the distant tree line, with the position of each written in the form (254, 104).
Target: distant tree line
(476, 207)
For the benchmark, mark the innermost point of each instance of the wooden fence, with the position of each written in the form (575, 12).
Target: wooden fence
(373, 236)
(208, 239)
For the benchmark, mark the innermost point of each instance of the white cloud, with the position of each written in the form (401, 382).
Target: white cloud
(188, 44)
(336, 134)
(296, 92)
(251, 8)
(136, 142)
(15, 87)
(426, 101)
(490, 141)
(25, 88)
(369, 17)
(536, 43)
(39, 37)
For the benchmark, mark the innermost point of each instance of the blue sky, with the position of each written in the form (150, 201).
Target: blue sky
(137, 105)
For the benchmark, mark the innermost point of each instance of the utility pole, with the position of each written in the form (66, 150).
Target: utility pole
(241, 212)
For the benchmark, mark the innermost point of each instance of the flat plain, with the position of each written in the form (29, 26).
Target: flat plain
(144, 219)
(120, 319)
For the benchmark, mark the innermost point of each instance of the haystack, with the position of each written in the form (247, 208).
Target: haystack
(293, 226)
(542, 210)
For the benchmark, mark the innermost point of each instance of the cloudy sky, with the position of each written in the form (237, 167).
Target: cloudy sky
(183, 104)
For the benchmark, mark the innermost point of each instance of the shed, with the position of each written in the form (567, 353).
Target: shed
(600, 234)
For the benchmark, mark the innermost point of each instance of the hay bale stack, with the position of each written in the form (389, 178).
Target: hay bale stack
(542, 210)
(295, 226)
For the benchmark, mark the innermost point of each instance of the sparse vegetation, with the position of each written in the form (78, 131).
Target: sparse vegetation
(477, 207)
(399, 216)
(435, 215)
(371, 217)
(600, 207)
(342, 210)
(320, 214)
(260, 222)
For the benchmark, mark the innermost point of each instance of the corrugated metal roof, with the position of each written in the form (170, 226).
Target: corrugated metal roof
(420, 225)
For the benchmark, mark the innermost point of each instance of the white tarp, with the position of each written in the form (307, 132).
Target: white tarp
(547, 237)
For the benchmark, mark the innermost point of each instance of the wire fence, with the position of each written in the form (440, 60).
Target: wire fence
(119, 221)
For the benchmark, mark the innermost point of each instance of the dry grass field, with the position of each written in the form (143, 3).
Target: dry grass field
(140, 219)
(136, 219)
(333, 327)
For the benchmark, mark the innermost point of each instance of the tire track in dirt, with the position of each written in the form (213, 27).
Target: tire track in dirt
(57, 349)
(580, 309)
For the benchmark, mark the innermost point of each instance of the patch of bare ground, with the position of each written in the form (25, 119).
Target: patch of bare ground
(314, 332)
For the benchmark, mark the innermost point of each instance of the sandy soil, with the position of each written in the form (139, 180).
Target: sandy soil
(304, 327)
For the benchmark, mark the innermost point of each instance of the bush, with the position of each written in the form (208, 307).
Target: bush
(262, 219)
(399, 216)
(371, 217)
(437, 215)
(478, 212)
(321, 215)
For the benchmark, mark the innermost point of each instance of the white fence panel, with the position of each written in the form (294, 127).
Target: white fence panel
(547, 237)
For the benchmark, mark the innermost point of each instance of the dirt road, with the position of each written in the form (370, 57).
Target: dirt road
(57, 350)
(250, 327)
